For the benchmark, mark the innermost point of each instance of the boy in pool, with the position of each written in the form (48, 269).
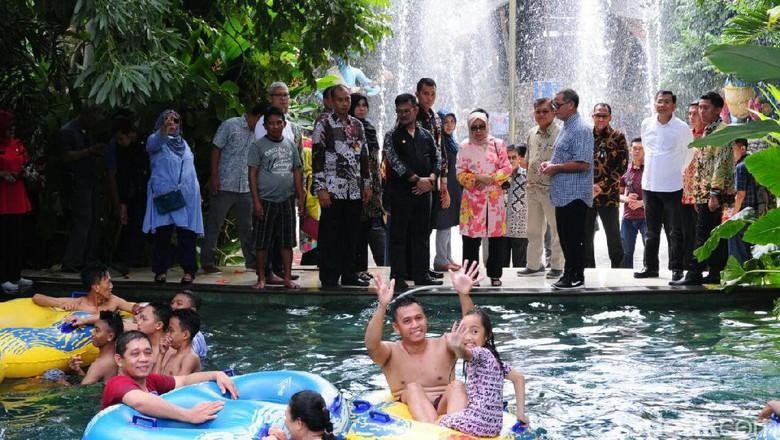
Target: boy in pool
(180, 359)
(185, 299)
(107, 330)
(97, 281)
(153, 321)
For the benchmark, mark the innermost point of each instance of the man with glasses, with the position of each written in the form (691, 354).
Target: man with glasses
(610, 161)
(571, 186)
(666, 140)
(414, 166)
(541, 213)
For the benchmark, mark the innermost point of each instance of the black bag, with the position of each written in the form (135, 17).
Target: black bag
(170, 201)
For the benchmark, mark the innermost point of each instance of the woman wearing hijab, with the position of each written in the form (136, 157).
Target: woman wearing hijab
(372, 232)
(172, 166)
(482, 167)
(14, 205)
(445, 218)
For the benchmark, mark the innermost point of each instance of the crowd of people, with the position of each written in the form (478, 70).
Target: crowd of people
(343, 189)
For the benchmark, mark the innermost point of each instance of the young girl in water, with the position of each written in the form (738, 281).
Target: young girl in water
(479, 412)
(307, 417)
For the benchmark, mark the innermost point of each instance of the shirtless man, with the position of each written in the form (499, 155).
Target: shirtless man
(97, 281)
(107, 330)
(153, 321)
(418, 369)
(180, 359)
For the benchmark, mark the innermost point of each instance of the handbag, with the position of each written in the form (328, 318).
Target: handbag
(170, 201)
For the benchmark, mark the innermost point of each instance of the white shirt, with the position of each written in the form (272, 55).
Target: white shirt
(260, 130)
(666, 153)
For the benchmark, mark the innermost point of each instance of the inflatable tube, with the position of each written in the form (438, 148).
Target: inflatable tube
(771, 430)
(376, 415)
(22, 312)
(29, 351)
(262, 403)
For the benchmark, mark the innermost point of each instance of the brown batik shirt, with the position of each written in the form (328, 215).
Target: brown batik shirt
(610, 161)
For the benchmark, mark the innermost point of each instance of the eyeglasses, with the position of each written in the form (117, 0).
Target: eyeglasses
(403, 111)
(280, 95)
(557, 105)
(478, 127)
(601, 115)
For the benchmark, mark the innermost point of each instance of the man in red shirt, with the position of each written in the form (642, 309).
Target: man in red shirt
(139, 388)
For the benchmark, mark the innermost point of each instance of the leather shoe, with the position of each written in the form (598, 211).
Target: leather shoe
(435, 275)
(526, 271)
(428, 282)
(354, 282)
(677, 275)
(646, 273)
(690, 279)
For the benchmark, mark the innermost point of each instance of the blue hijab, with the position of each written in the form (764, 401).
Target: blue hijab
(175, 141)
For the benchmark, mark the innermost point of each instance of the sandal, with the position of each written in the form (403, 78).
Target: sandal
(160, 278)
(187, 278)
(495, 282)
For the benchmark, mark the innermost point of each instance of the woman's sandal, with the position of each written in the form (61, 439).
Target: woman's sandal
(160, 278)
(187, 278)
(495, 282)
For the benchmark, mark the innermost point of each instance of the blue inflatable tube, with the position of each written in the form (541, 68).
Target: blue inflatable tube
(262, 403)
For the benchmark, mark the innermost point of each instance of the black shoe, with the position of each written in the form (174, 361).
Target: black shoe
(553, 274)
(354, 282)
(428, 281)
(567, 284)
(365, 276)
(527, 272)
(711, 278)
(69, 269)
(690, 279)
(677, 275)
(435, 275)
(646, 273)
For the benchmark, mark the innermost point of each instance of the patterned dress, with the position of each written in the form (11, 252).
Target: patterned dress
(517, 206)
(483, 416)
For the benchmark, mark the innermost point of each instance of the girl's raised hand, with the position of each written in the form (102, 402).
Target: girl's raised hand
(465, 278)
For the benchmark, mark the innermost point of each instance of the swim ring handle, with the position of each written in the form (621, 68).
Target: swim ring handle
(230, 372)
(152, 422)
(519, 427)
(775, 418)
(360, 406)
(67, 327)
(263, 431)
(335, 407)
(379, 417)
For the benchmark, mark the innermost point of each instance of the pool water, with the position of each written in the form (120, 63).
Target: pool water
(607, 371)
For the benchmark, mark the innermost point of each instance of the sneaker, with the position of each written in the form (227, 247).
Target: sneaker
(211, 269)
(567, 284)
(527, 272)
(24, 282)
(553, 274)
(9, 287)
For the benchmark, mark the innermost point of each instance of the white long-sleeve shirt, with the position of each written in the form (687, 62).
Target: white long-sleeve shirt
(666, 153)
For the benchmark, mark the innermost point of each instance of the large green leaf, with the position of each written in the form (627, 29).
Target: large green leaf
(748, 62)
(763, 167)
(733, 272)
(765, 230)
(725, 230)
(752, 130)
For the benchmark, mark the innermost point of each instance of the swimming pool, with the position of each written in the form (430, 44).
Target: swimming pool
(594, 369)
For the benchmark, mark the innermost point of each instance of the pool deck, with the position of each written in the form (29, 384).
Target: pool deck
(235, 284)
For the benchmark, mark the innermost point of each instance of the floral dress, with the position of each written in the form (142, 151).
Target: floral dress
(483, 211)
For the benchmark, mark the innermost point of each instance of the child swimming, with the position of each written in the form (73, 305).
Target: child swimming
(307, 417)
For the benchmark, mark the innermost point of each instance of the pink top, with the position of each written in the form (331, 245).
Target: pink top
(482, 211)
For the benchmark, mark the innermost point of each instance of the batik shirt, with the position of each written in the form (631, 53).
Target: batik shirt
(610, 161)
(340, 158)
(373, 209)
(517, 206)
(714, 168)
(431, 121)
(234, 138)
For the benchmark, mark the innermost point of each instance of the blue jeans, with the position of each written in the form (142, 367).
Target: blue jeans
(628, 231)
(738, 248)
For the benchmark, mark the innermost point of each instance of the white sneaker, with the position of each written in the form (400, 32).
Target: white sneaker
(24, 282)
(9, 287)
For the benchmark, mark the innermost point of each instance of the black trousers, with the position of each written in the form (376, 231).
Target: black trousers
(706, 221)
(11, 247)
(663, 208)
(132, 240)
(337, 240)
(571, 234)
(515, 252)
(688, 227)
(162, 259)
(84, 232)
(610, 219)
(371, 235)
(410, 233)
(495, 258)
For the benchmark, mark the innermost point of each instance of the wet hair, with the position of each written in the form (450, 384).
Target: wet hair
(425, 82)
(126, 338)
(273, 111)
(569, 95)
(194, 299)
(114, 322)
(605, 105)
(309, 407)
(189, 320)
(542, 101)
(714, 98)
(667, 92)
(162, 313)
(405, 98)
(490, 339)
(740, 141)
(356, 98)
(93, 274)
(258, 108)
(481, 110)
(402, 301)
(637, 139)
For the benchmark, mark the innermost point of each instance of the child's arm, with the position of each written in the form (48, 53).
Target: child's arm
(463, 280)
(518, 381)
(773, 406)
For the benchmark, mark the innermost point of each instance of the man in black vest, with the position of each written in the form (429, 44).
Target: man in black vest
(414, 162)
